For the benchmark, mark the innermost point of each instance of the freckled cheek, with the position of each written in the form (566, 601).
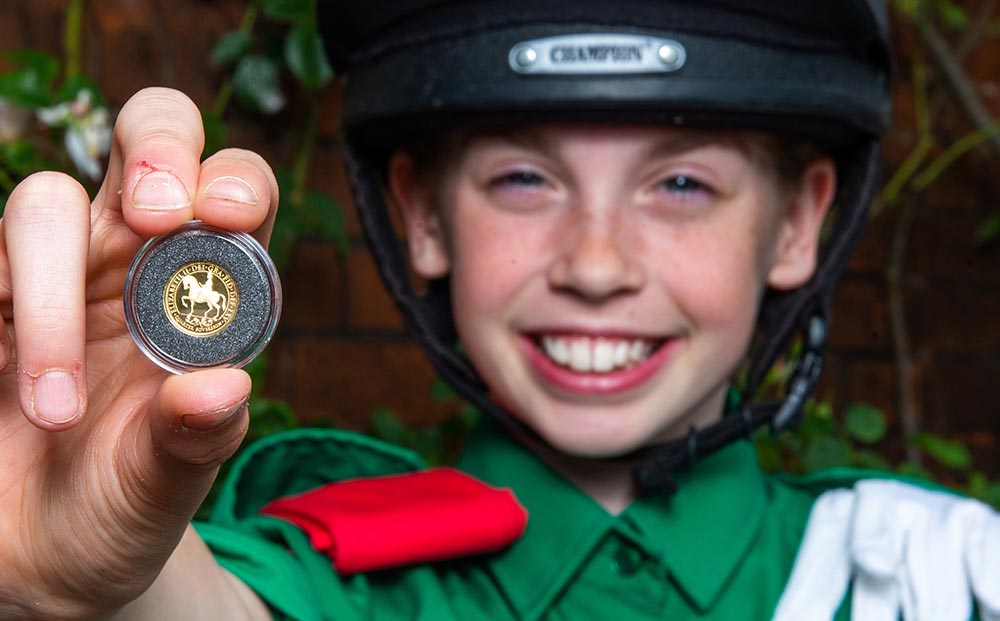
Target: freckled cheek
(493, 258)
(715, 286)
(490, 264)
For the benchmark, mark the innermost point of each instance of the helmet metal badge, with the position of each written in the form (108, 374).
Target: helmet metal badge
(816, 72)
(597, 54)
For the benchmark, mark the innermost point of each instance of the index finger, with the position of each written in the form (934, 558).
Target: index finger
(46, 228)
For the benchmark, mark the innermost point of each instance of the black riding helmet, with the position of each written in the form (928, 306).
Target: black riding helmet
(815, 71)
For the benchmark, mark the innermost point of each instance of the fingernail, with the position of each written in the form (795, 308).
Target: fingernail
(232, 189)
(55, 398)
(216, 418)
(159, 189)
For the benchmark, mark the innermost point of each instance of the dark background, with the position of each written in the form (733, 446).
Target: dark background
(340, 352)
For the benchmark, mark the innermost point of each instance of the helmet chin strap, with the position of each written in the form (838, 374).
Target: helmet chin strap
(659, 462)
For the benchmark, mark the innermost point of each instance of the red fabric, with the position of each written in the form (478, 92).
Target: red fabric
(382, 522)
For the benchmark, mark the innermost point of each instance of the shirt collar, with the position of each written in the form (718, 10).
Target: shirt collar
(700, 534)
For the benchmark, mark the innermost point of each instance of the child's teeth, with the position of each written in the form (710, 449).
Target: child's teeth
(579, 355)
(604, 356)
(636, 351)
(621, 354)
(590, 355)
(557, 349)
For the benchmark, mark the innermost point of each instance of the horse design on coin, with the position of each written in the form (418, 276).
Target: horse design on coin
(199, 293)
(200, 298)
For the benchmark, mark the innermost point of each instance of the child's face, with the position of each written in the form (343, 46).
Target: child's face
(606, 279)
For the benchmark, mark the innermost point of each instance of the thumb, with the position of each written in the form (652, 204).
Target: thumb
(196, 422)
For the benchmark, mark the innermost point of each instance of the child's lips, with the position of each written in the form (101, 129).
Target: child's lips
(596, 365)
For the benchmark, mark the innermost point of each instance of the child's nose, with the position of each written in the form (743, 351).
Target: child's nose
(596, 263)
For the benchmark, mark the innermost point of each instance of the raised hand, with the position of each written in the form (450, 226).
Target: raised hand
(902, 550)
(104, 457)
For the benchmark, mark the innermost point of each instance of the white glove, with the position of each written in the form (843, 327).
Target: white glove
(925, 554)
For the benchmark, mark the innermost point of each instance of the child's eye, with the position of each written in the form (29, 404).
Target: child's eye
(684, 185)
(524, 179)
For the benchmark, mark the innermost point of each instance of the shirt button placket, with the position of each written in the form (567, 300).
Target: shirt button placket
(626, 560)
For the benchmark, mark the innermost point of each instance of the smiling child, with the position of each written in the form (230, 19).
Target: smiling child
(617, 209)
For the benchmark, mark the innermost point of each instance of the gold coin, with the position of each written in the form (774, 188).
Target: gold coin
(201, 298)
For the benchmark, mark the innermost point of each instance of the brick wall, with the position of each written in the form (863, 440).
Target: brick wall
(340, 351)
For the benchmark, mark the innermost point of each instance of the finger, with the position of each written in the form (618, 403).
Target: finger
(936, 560)
(874, 599)
(820, 575)
(46, 231)
(982, 553)
(6, 311)
(878, 529)
(197, 421)
(155, 161)
(237, 190)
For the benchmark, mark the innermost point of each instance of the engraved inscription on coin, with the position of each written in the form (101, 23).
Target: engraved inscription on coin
(201, 298)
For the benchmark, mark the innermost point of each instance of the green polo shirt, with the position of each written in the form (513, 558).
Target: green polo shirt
(721, 548)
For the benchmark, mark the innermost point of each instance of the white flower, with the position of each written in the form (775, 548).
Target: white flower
(88, 131)
(271, 101)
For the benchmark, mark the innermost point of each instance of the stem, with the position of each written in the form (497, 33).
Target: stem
(978, 26)
(300, 165)
(909, 415)
(226, 89)
(956, 77)
(956, 150)
(909, 412)
(72, 36)
(894, 187)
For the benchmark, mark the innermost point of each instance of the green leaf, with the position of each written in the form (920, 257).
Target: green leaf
(768, 453)
(283, 237)
(257, 85)
(21, 158)
(72, 87)
(215, 132)
(914, 470)
(30, 84)
(952, 15)
(826, 452)
(992, 30)
(908, 8)
(948, 453)
(988, 230)
(819, 408)
(871, 459)
(385, 425)
(306, 58)
(441, 390)
(289, 10)
(269, 416)
(427, 441)
(865, 423)
(325, 216)
(814, 426)
(231, 47)
(459, 424)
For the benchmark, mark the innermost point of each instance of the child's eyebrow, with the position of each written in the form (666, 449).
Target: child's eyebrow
(671, 144)
(527, 139)
(690, 141)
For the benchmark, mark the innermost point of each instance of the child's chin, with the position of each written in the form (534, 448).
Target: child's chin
(594, 446)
